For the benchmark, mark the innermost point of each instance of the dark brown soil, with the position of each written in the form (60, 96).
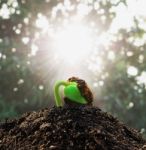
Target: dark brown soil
(69, 128)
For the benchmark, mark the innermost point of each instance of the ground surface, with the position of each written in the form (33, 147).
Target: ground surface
(76, 128)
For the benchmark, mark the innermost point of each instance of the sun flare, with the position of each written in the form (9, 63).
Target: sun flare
(74, 43)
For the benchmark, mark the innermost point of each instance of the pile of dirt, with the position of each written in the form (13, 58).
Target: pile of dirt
(69, 128)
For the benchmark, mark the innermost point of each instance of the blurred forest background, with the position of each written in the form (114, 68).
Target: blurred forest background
(114, 63)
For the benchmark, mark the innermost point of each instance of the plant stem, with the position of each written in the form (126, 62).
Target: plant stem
(58, 100)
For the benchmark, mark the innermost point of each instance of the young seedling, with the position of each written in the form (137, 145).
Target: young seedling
(71, 91)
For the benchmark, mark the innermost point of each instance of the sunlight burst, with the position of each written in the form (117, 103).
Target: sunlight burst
(74, 43)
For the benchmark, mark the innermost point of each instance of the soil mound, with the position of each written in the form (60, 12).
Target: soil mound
(67, 128)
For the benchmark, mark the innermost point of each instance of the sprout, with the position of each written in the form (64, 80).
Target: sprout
(58, 100)
(71, 91)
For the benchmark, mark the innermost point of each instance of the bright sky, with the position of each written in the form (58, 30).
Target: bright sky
(125, 15)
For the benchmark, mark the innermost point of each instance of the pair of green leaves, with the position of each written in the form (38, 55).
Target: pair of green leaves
(71, 91)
